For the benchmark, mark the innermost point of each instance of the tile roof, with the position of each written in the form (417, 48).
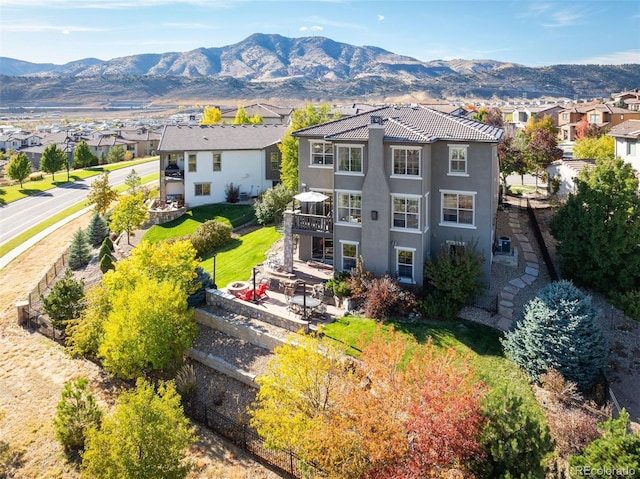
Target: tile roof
(626, 129)
(406, 124)
(220, 137)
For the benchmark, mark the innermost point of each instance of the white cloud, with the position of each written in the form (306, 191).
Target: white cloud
(65, 32)
(563, 19)
(36, 28)
(380, 17)
(615, 58)
(313, 28)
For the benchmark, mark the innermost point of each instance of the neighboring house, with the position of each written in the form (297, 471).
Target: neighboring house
(65, 142)
(271, 115)
(146, 140)
(627, 142)
(402, 183)
(631, 99)
(102, 143)
(568, 171)
(197, 162)
(9, 142)
(521, 114)
(601, 115)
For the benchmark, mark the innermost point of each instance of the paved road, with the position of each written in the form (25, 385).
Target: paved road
(19, 216)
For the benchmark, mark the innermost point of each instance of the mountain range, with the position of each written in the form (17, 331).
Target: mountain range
(304, 69)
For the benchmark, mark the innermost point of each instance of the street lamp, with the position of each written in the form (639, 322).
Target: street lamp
(215, 286)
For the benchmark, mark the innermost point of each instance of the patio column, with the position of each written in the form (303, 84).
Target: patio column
(288, 241)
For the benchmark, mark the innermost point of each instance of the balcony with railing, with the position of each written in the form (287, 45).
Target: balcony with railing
(312, 224)
(173, 174)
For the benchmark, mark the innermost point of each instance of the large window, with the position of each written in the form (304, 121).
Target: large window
(594, 118)
(193, 163)
(321, 153)
(217, 162)
(458, 208)
(458, 160)
(349, 255)
(202, 189)
(350, 158)
(406, 161)
(404, 264)
(406, 212)
(350, 207)
(631, 148)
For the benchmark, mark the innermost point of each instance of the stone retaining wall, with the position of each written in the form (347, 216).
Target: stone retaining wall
(236, 329)
(220, 365)
(245, 308)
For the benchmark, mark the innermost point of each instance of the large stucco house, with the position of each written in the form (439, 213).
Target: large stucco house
(401, 183)
(197, 162)
(627, 142)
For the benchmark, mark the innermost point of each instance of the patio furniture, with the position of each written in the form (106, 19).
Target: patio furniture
(304, 305)
(261, 291)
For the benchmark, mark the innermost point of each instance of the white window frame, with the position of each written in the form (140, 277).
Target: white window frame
(325, 155)
(632, 148)
(194, 157)
(344, 243)
(406, 150)
(594, 117)
(405, 279)
(201, 185)
(406, 213)
(426, 212)
(458, 171)
(457, 224)
(351, 220)
(350, 148)
(274, 157)
(217, 162)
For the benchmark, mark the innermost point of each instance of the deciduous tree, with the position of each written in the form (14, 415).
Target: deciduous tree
(133, 182)
(211, 116)
(242, 118)
(270, 205)
(129, 214)
(145, 437)
(82, 156)
(101, 194)
(53, 159)
(598, 228)
(600, 148)
(19, 168)
(511, 155)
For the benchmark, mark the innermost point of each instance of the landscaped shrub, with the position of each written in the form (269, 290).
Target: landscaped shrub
(79, 253)
(97, 230)
(231, 193)
(338, 285)
(203, 280)
(109, 242)
(77, 411)
(186, 381)
(628, 302)
(270, 205)
(558, 329)
(386, 297)
(104, 250)
(37, 176)
(209, 236)
(437, 306)
(456, 273)
(107, 263)
(64, 301)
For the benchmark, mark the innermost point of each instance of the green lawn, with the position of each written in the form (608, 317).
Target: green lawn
(232, 214)
(480, 342)
(14, 192)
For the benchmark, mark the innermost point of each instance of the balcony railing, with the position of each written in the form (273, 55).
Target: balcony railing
(173, 173)
(312, 223)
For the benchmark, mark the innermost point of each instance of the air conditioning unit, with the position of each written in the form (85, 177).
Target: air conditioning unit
(504, 245)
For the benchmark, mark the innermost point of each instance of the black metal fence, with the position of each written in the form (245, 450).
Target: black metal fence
(553, 274)
(57, 268)
(241, 435)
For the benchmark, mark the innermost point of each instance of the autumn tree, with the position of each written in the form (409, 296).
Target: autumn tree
(242, 118)
(211, 116)
(133, 181)
(129, 214)
(600, 148)
(511, 156)
(53, 159)
(491, 116)
(82, 156)
(542, 150)
(598, 228)
(19, 168)
(301, 118)
(76, 412)
(101, 194)
(146, 437)
(546, 122)
(584, 129)
(85, 333)
(271, 203)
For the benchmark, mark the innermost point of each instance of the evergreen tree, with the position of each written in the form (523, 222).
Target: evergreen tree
(617, 451)
(64, 301)
(116, 154)
(80, 252)
(558, 329)
(97, 230)
(77, 411)
(598, 228)
(53, 159)
(19, 168)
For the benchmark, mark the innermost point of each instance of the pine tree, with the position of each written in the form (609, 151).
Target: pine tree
(64, 300)
(79, 253)
(76, 412)
(97, 230)
(558, 329)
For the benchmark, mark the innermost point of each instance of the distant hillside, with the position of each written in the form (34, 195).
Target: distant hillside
(301, 69)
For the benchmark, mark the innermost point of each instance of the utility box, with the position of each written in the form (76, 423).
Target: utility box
(504, 245)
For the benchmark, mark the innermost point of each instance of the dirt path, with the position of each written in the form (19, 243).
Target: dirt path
(33, 371)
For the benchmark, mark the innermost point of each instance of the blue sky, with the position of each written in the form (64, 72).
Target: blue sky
(532, 33)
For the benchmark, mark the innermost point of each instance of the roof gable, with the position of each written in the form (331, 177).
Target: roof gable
(220, 137)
